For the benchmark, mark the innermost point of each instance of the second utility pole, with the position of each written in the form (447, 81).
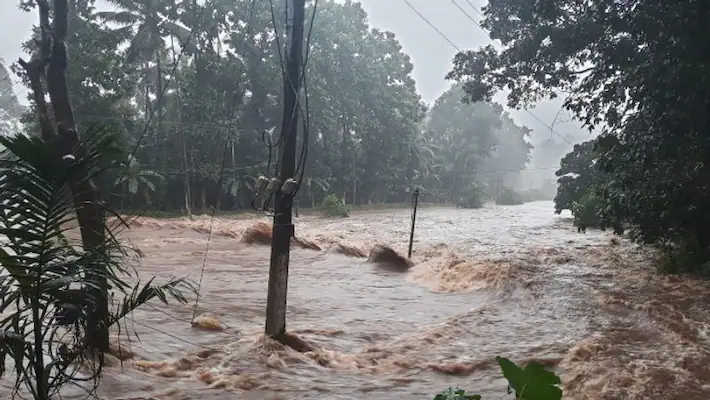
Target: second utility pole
(283, 225)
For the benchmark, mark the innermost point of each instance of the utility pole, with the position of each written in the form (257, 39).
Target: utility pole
(283, 228)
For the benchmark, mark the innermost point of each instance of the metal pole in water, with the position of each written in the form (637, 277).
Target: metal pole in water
(415, 203)
(283, 201)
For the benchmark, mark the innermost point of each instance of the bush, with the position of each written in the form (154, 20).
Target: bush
(334, 206)
(509, 197)
(586, 211)
(472, 197)
(471, 201)
(685, 257)
(533, 382)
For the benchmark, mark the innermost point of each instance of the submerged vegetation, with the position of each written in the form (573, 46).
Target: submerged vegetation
(52, 289)
(334, 206)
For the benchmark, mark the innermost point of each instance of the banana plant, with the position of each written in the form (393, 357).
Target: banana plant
(135, 179)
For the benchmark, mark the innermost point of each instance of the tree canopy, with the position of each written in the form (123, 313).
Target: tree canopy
(195, 91)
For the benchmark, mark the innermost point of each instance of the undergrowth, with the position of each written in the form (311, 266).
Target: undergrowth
(334, 206)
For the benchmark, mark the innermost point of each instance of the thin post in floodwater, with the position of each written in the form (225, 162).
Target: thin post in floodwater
(283, 228)
(415, 204)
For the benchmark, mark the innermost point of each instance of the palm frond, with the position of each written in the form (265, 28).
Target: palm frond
(51, 288)
(182, 34)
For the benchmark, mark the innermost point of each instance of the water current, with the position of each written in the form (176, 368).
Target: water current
(516, 281)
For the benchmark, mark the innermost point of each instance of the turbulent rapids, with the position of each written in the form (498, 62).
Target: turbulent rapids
(518, 282)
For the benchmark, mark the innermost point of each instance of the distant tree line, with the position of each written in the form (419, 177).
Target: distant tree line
(371, 138)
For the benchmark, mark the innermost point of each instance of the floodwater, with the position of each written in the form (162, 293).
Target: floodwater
(517, 281)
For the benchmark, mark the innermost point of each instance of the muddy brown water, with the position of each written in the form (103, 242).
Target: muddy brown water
(518, 282)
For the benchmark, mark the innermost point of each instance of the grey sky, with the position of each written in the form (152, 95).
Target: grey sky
(431, 54)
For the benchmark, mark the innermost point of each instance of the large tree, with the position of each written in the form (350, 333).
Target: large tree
(471, 143)
(641, 71)
(367, 141)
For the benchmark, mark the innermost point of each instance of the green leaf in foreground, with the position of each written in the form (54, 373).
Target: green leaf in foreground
(531, 383)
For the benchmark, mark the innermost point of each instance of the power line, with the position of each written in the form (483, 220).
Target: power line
(550, 127)
(475, 8)
(224, 157)
(432, 25)
(183, 47)
(457, 48)
(467, 14)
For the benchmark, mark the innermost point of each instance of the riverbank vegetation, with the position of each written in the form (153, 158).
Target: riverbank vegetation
(198, 114)
(638, 71)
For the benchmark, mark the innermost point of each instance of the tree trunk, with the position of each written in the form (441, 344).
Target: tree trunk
(184, 144)
(146, 198)
(203, 196)
(66, 141)
(218, 201)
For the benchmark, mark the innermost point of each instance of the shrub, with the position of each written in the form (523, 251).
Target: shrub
(334, 206)
(586, 211)
(470, 201)
(472, 197)
(509, 197)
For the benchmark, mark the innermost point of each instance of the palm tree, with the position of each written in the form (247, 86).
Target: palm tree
(136, 179)
(146, 23)
(234, 185)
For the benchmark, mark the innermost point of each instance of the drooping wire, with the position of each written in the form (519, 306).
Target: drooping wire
(223, 163)
(266, 134)
(301, 167)
(446, 38)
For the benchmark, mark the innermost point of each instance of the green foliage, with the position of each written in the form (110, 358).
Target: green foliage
(655, 141)
(586, 211)
(460, 140)
(456, 394)
(50, 287)
(371, 136)
(533, 382)
(578, 173)
(509, 197)
(334, 206)
(472, 197)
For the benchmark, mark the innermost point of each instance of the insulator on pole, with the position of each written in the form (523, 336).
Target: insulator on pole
(274, 185)
(289, 187)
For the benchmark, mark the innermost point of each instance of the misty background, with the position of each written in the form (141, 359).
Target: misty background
(553, 131)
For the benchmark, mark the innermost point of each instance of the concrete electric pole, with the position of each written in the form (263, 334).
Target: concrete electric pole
(283, 228)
